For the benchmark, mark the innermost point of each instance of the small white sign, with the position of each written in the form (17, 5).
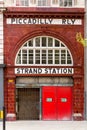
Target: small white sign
(44, 21)
(48, 99)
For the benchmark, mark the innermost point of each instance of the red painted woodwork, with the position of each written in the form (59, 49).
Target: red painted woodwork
(56, 103)
(48, 106)
(64, 103)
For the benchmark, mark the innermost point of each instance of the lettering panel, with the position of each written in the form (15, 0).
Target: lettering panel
(44, 21)
(44, 70)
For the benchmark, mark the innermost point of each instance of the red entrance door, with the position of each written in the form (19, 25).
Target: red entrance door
(56, 103)
(49, 103)
(64, 103)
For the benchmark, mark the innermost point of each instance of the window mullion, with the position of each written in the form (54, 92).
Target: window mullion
(51, 2)
(66, 57)
(34, 56)
(40, 56)
(33, 48)
(46, 56)
(73, 3)
(60, 57)
(53, 52)
(27, 57)
(21, 56)
(40, 52)
(53, 57)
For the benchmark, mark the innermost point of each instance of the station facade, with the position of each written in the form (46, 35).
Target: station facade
(44, 72)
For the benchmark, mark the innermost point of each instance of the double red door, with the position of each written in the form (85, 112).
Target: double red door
(56, 103)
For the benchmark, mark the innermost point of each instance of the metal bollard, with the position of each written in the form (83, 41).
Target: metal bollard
(4, 118)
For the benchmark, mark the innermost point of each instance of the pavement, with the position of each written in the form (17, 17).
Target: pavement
(44, 125)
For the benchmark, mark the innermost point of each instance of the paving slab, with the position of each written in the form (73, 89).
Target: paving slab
(45, 125)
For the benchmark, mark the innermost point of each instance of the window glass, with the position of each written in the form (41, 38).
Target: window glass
(30, 43)
(69, 61)
(65, 2)
(75, 2)
(30, 57)
(24, 56)
(33, 1)
(22, 2)
(62, 45)
(37, 42)
(41, 2)
(69, 3)
(25, 45)
(44, 51)
(43, 57)
(50, 42)
(37, 56)
(50, 56)
(63, 56)
(54, 1)
(44, 2)
(19, 58)
(48, 3)
(44, 41)
(57, 57)
(57, 43)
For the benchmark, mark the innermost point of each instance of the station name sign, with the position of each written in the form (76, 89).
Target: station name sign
(44, 71)
(44, 21)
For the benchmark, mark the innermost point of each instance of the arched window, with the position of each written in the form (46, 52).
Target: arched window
(44, 50)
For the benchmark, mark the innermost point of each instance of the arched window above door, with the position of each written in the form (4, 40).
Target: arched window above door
(44, 50)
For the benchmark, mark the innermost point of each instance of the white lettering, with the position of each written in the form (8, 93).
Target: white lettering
(44, 71)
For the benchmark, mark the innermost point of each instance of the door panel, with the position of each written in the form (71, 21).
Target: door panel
(28, 104)
(56, 103)
(64, 106)
(48, 103)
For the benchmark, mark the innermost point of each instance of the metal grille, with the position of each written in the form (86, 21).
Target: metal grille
(27, 104)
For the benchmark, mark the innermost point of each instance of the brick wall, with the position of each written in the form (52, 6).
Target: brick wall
(16, 35)
(11, 112)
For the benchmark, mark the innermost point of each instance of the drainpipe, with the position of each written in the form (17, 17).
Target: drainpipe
(85, 59)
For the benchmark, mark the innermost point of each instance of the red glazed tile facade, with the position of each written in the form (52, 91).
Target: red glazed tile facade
(16, 35)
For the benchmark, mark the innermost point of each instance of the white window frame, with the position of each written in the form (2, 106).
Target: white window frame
(75, 3)
(19, 2)
(61, 46)
(36, 5)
